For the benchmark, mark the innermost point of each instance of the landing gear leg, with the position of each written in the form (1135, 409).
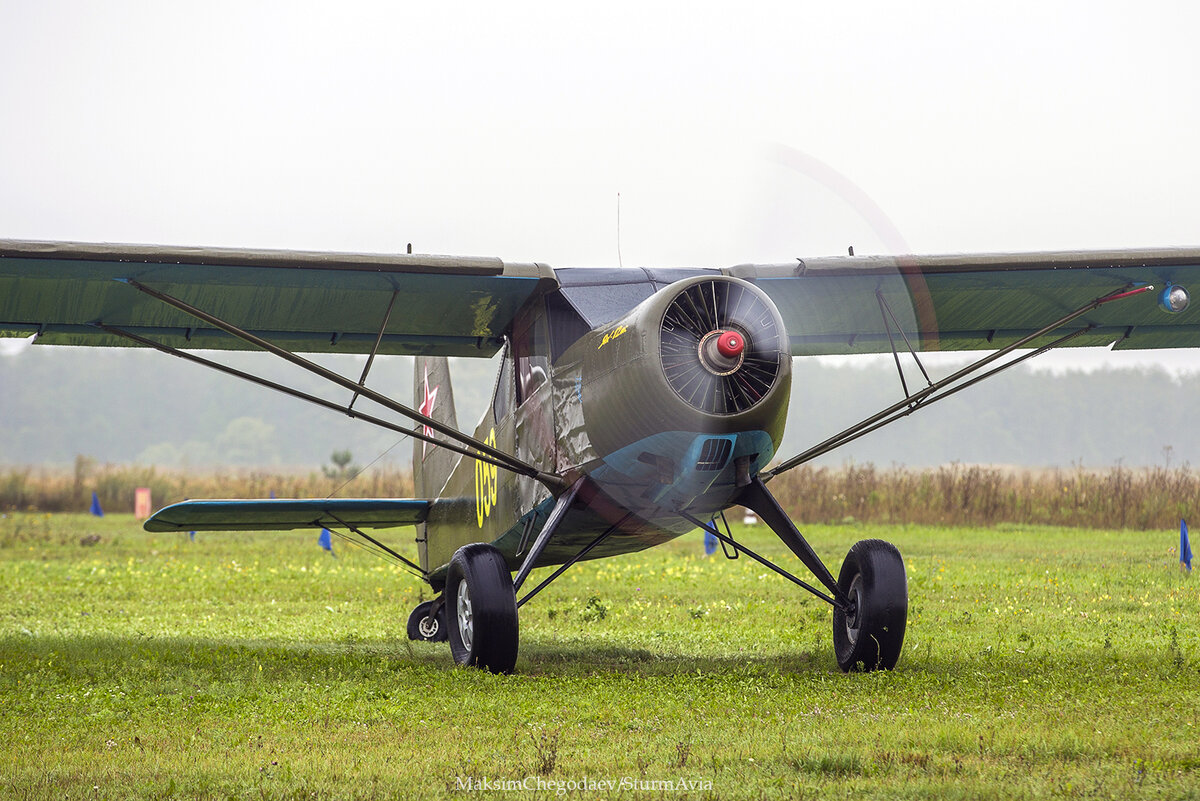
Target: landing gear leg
(759, 499)
(870, 597)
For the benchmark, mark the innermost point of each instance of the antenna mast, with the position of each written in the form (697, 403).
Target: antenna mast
(620, 262)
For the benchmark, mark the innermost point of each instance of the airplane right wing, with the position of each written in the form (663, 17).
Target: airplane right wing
(851, 304)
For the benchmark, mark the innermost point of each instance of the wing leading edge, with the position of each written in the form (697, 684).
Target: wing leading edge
(305, 302)
(336, 302)
(839, 305)
(286, 515)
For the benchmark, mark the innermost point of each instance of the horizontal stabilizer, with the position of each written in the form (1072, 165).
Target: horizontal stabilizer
(286, 514)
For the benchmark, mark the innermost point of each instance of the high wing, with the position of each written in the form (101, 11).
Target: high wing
(285, 514)
(839, 305)
(305, 302)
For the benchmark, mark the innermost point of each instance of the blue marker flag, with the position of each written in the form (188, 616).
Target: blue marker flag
(326, 540)
(710, 543)
(96, 510)
(1185, 547)
(192, 536)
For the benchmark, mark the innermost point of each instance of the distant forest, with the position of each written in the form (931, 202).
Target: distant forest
(132, 406)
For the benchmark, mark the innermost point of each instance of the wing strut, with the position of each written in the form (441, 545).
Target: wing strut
(295, 393)
(387, 315)
(415, 567)
(510, 462)
(946, 387)
(885, 311)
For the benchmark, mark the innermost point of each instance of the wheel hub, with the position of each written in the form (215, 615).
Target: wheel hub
(466, 620)
(852, 611)
(428, 627)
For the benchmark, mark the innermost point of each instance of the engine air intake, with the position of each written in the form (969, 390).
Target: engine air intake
(714, 453)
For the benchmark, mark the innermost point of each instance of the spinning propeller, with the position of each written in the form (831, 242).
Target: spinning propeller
(720, 346)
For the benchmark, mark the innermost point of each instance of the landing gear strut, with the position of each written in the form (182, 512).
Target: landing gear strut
(870, 597)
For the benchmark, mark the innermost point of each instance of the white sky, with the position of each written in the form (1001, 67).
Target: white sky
(508, 129)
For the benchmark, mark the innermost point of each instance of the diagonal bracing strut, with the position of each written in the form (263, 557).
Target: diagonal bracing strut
(295, 393)
(510, 462)
(885, 311)
(387, 315)
(945, 388)
(561, 506)
(762, 560)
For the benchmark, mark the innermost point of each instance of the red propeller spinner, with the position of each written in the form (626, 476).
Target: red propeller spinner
(730, 344)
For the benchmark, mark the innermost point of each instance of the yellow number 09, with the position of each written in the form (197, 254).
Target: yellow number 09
(485, 484)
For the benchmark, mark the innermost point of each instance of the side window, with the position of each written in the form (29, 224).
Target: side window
(566, 325)
(529, 348)
(501, 401)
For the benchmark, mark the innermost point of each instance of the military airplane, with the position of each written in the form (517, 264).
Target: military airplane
(631, 406)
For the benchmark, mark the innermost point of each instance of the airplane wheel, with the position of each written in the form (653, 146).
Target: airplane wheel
(422, 626)
(482, 609)
(871, 636)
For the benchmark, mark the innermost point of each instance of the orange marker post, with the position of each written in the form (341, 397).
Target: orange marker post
(141, 503)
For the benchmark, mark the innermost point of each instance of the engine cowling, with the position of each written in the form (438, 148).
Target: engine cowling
(707, 354)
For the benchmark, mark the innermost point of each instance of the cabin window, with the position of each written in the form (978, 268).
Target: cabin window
(566, 325)
(531, 355)
(602, 295)
(605, 303)
(502, 399)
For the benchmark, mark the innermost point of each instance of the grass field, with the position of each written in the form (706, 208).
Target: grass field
(1038, 662)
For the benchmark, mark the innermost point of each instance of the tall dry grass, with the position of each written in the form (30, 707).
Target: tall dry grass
(959, 494)
(49, 490)
(954, 494)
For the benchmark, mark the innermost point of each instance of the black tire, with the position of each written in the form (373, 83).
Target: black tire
(481, 609)
(871, 638)
(423, 627)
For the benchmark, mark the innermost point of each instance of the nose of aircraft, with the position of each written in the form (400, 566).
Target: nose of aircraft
(730, 344)
(722, 351)
(722, 343)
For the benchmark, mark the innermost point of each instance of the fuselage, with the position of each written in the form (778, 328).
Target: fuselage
(649, 411)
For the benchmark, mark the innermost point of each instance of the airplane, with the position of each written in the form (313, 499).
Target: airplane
(631, 406)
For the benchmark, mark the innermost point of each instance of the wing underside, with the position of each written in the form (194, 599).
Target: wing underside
(305, 302)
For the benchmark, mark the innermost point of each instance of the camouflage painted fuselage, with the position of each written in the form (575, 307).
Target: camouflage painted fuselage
(606, 413)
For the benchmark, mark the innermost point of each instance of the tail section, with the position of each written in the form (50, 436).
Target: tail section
(433, 397)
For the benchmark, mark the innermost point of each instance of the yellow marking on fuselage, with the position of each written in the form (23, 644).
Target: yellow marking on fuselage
(485, 484)
(611, 335)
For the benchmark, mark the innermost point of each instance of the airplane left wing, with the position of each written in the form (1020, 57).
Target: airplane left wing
(285, 514)
(870, 304)
(305, 302)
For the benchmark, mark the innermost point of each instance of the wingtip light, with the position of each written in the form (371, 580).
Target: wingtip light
(1174, 299)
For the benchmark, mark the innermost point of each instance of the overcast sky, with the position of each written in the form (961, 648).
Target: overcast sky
(508, 129)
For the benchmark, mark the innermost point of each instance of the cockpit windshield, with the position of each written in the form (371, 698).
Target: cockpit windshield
(601, 295)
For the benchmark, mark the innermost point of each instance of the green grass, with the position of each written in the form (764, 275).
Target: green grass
(1038, 662)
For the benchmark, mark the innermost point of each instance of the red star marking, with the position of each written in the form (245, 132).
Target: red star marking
(426, 408)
